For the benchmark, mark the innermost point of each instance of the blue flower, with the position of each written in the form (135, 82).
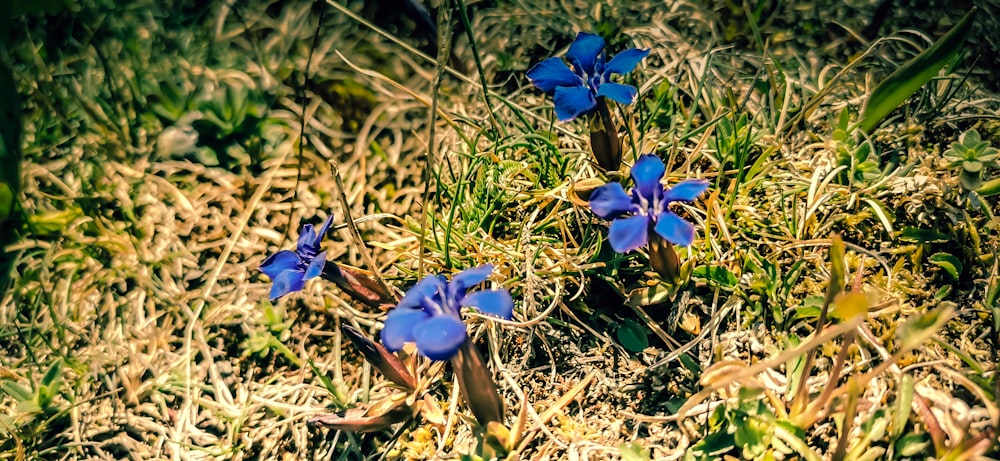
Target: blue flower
(289, 270)
(648, 207)
(576, 90)
(429, 313)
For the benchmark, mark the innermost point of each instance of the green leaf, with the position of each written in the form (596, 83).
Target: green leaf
(17, 391)
(849, 305)
(912, 444)
(720, 275)
(879, 209)
(989, 188)
(712, 446)
(5, 423)
(28, 407)
(648, 296)
(970, 138)
(6, 201)
(904, 400)
(633, 452)
(806, 312)
(969, 181)
(838, 268)
(331, 387)
(795, 366)
(843, 122)
(922, 327)
(53, 376)
(632, 335)
(53, 222)
(976, 367)
(751, 434)
(690, 364)
(917, 235)
(906, 80)
(972, 166)
(947, 262)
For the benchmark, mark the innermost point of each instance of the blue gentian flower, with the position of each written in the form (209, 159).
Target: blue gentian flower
(647, 208)
(289, 270)
(429, 313)
(575, 91)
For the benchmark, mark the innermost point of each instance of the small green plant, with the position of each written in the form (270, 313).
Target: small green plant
(271, 338)
(633, 451)
(39, 400)
(234, 116)
(858, 159)
(36, 413)
(973, 156)
(757, 422)
(748, 427)
(769, 287)
(228, 125)
(912, 75)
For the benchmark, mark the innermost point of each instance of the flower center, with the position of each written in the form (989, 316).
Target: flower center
(592, 80)
(307, 252)
(440, 303)
(648, 206)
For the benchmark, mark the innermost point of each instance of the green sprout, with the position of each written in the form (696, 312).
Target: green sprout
(973, 155)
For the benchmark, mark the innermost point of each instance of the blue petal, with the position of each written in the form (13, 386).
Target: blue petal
(316, 266)
(625, 61)
(572, 101)
(674, 229)
(646, 173)
(306, 237)
(627, 234)
(322, 231)
(584, 51)
(439, 337)
(287, 282)
(623, 94)
(398, 329)
(686, 190)
(428, 287)
(610, 201)
(284, 260)
(497, 303)
(552, 72)
(468, 278)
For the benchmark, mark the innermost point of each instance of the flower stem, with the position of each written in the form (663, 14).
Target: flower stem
(604, 138)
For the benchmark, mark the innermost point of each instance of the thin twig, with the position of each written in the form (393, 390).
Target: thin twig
(359, 241)
(444, 42)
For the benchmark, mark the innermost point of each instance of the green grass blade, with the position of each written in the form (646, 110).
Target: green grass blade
(906, 80)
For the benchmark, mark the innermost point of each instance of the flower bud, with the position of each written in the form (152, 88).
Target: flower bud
(662, 257)
(358, 285)
(384, 361)
(604, 138)
(477, 386)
